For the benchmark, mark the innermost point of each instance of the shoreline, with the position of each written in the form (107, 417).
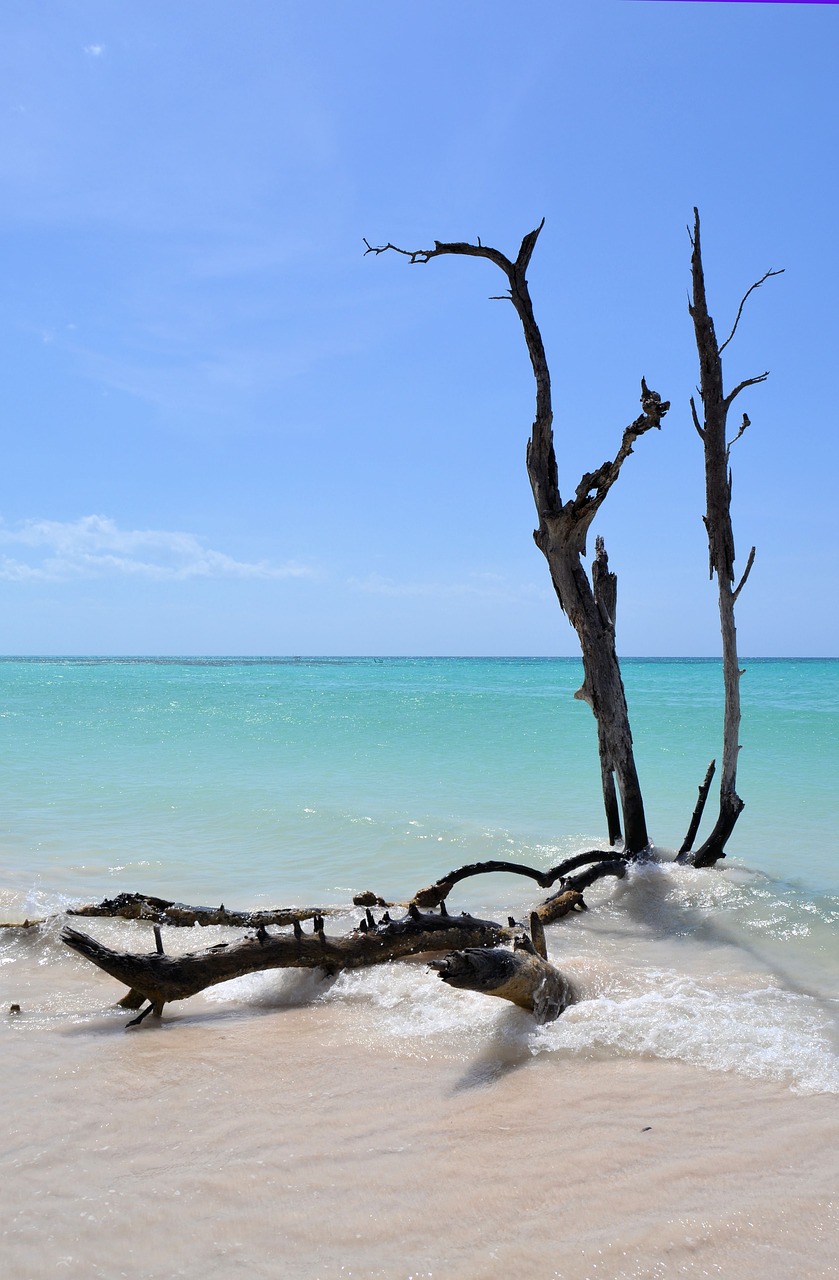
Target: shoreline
(272, 1142)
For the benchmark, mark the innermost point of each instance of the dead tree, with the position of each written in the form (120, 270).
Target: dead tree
(523, 975)
(480, 957)
(712, 431)
(561, 537)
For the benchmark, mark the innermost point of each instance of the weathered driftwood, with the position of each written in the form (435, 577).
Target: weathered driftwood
(160, 979)
(561, 536)
(157, 979)
(142, 906)
(570, 896)
(436, 893)
(712, 431)
(524, 975)
(520, 976)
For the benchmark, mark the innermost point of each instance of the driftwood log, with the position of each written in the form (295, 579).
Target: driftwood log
(521, 974)
(159, 979)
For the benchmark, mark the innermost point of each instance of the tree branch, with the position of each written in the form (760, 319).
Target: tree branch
(161, 978)
(756, 285)
(741, 386)
(592, 489)
(696, 817)
(746, 573)
(747, 422)
(460, 247)
(436, 893)
(528, 244)
(696, 421)
(142, 906)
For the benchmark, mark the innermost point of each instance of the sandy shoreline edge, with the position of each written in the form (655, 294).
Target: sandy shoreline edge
(270, 1143)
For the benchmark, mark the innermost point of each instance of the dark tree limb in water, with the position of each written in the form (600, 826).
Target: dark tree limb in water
(160, 979)
(142, 906)
(436, 893)
(696, 817)
(712, 431)
(561, 536)
(570, 896)
(157, 978)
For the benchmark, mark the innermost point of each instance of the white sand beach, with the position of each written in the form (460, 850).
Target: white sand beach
(274, 1142)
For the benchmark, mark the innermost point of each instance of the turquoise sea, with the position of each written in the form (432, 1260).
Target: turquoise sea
(301, 781)
(288, 779)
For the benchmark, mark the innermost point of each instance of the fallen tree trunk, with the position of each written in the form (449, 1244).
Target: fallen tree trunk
(528, 979)
(159, 978)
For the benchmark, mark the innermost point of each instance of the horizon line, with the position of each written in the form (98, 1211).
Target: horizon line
(394, 657)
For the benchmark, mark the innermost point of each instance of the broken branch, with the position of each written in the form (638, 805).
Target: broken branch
(699, 809)
(746, 573)
(521, 976)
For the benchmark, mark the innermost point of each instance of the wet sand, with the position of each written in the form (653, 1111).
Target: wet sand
(272, 1143)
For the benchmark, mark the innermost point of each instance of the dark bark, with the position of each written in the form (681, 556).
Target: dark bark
(436, 893)
(570, 896)
(605, 586)
(157, 979)
(160, 979)
(696, 817)
(712, 431)
(141, 906)
(562, 534)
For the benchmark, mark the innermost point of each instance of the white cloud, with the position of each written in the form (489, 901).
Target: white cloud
(95, 547)
(94, 50)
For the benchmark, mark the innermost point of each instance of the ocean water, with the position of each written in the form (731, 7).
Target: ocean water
(269, 782)
(338, 1125)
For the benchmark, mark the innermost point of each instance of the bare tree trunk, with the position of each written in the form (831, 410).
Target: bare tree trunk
(605, 585)
(160, 979)
(561, 536)
(712, 432)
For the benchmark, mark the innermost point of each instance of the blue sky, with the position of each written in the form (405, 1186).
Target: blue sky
(227, 431)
